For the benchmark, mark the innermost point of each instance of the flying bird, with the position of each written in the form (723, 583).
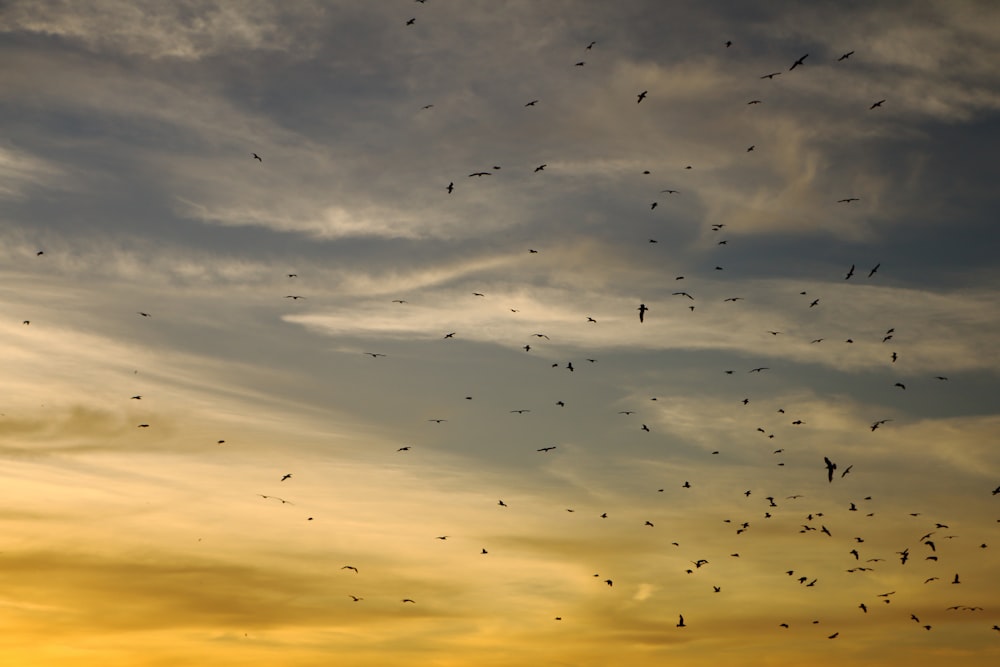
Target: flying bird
(874, 269)
(546, 449)
(641, 96)
(798, 62)
(850, 273)
(877, 104)
(642, 311)
(771, 75)
(287, 475)
(845, 56)
(255, 157)
(830, 467)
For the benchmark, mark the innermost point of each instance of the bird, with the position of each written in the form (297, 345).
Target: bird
(411, 21)
(408, 600)
(758, 370)
(771, 75)
(437, 421)
(848, 200)
(900, 385)
(546, 449)
(293, 297)
(850, 273)
(751, 148)
(350, 567)
(374, 355)
(590, 46)
(287, 475)
(874, 269)
(798, 62)
(680, 623)
(255, 157)
(753, 102)
(683, 294)
(450, 335)
(451, 187)
(845, 56)
(531, 103)
(480, 173)
(830, 467)
(641, 96)
(143, 314)
(540, 167)
(355, 598)
(814, 303)
(404, 449)
(642, 311)
(877, 104)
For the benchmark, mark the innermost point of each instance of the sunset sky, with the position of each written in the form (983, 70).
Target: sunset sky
(193, 460)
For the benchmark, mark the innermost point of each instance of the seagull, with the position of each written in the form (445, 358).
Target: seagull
(830, 467)
(293, 297)
(451, 187)
(531, 103)
(350, 567)
(450, 335)
(845, 56)
(437, 421)
(355, 598)
(590, 46)
(480, 173)
(680, 623)
(540, 167)
(374, 355)
(546, 449)
(850, 273)
(287, 475)
(641, 96)
(399, 301)
(683, 294)
(872, 272)
(404, 449)
(411, 21)
(771, 75)
(642, 311)
(255, 157)
(754, 102)
(144, 314)
(848, 200)
(877, 104)
(798, 62)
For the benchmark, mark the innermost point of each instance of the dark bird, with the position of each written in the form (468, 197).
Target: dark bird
(255, 157)
(845, 56)
(850, 273)
(451, 187)
(411, 21)
(641, 96)
(408, 600)
(653, 205)
(728, 43)
(374, 355)
(591, 319)
(645, 428)
(546, 449)
(830, 467)
(590, 46)
(754, 102)
(399, 301)
(144, 314)
(771, 75)
(848, 200)
(501, 503)
(437, 421)
(680, 623)
(642, 311)
(540, 167)
(844, 474)
(137, 397)
(480, 173)
(355, 598)
(683, 294)
(751, 148)
(758, 370)
(531, 103)
(350, 567)
(404, 449)
(815, 302)
(800, 61)
(955, 580)
(293, 297)
(900, 385)
(874, 269)
(287, 475)
(478, 294)
(877, 104)
(143, 426)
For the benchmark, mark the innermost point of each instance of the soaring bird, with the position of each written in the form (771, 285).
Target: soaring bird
(642, 311)
(641, 96)
(350, 567)
(798, 62)
(680, 623)
(845, 56)
(546, 449)
(874, 269)
(256, 157)
(451, 187)
(771, 75)
(411, 21)
(848, 200)
(877, 104)
(531, 103)
(287, 475)
(480, 173)
(540, 167)
(830, 467)
(850, 273)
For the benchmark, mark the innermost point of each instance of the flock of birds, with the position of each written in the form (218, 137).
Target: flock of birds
(925, 548)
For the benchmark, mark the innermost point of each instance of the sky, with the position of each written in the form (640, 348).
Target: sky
(284, 382)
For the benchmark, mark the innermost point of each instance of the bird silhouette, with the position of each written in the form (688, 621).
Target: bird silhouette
(798, 62)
